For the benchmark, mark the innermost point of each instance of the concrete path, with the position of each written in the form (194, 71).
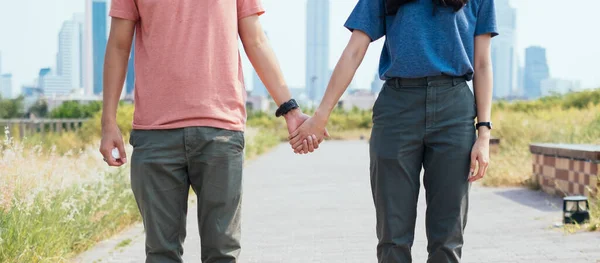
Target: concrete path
(318, 208)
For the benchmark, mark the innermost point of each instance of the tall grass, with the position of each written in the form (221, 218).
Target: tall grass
(517, 129)
(55, 205)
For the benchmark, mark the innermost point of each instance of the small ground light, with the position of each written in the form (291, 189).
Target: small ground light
(576, 209)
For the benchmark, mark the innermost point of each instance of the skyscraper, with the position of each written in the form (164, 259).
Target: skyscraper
(70, 56)
(317, 48)
(88, 51)
(6, 87)
(504, 55)
(536, 70)
(130, 81)
(98, 41)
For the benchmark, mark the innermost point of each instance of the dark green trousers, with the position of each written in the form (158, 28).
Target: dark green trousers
(422, 123)
(164, 164)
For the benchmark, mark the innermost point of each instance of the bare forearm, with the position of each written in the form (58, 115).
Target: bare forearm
(482, 86)
(263, 60)
(115, 68)
(343, 73)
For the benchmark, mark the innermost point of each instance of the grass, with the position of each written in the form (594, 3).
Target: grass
(511, 166)
(55, 204)
(123, 243)
(58, 198)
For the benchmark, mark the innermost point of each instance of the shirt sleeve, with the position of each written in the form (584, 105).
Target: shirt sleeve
(124, 9)
(368, 16)
(246, 8)
(486, 19)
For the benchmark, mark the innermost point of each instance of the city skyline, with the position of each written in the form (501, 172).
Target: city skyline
(568, 59)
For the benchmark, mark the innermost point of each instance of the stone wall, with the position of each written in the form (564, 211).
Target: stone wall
(562, 169)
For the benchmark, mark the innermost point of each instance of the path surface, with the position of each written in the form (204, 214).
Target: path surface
(318, 208)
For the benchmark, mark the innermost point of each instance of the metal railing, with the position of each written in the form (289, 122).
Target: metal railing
(27, 127)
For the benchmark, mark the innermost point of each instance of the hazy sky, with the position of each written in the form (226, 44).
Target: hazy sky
(568, 29)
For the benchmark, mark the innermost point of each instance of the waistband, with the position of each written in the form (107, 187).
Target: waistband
(426, 81)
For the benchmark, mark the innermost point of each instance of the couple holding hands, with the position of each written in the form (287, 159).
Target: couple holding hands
(190, 115)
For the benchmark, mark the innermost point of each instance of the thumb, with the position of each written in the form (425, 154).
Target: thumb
(326, 133)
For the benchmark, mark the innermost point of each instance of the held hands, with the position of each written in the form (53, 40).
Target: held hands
(309, 135)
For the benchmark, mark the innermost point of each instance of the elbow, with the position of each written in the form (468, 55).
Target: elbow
(251, 43)
(483, 66)
(355, 53)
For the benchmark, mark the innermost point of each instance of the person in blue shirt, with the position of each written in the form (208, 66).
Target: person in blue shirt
(424, 116)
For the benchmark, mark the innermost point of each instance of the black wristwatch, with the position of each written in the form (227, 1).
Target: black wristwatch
(483, 124)
(286, 107)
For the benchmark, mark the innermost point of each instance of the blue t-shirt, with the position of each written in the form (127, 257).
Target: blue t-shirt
(422, 43)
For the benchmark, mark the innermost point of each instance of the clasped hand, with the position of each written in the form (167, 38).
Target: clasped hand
(306, 133)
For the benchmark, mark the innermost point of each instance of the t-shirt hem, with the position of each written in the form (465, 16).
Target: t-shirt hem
(368, 31)
(123, 14)
(257, 10)
(492, 31)
(203, 123)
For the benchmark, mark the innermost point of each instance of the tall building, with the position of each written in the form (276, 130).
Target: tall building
(536, 70)
(550, 87)
(6, 87)
(53, 85)
(99, 39)
(130, 80)
(88, 50)
(69, 60)
(376, 85)
(317, 48)
(504, 55)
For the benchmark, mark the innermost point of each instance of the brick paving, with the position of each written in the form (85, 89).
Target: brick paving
(318, 208)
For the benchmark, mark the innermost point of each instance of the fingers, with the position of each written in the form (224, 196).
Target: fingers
(122, 153)
(310, 142)
(473, 164)
(297, 143)
(305, 144)
(295, 140)
(298, 149)
(294, 134)
(316, 141)
(106, 152)
(326, 133)
(482, 169)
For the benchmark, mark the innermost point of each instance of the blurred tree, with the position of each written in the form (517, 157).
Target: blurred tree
(76, 110)
(11, 108)
(39, 109)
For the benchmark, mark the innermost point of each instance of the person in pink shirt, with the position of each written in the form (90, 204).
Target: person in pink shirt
(189, 115)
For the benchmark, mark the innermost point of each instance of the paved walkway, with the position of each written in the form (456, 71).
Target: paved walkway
(318, 208)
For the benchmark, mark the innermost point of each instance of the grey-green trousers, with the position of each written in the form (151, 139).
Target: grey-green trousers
(164, 164)
(422, 123)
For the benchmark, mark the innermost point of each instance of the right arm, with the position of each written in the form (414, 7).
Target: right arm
(342, 75)
(115, 67)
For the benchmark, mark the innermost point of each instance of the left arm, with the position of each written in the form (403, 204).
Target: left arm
(482, 87)
(342, 75)
(265, 63)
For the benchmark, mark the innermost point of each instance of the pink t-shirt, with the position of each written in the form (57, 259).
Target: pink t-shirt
(187, 62)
